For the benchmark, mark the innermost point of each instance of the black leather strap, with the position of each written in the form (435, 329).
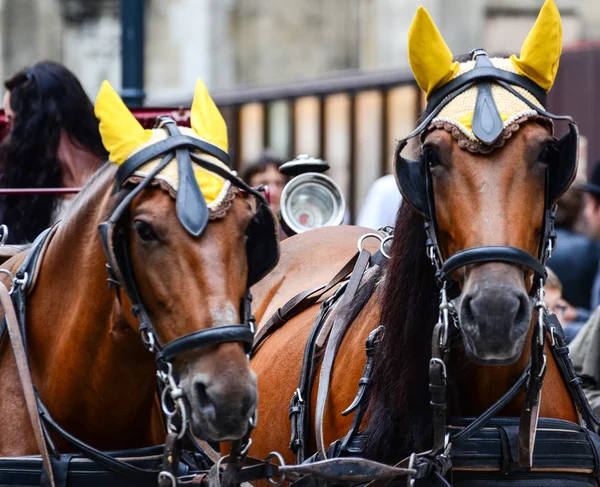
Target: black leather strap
(30, 262)
(301, 302)
(487, 122)
(160, 148)
(207, 337)
(490, 253)
(482, 420)
(92, 453)
(491, 74)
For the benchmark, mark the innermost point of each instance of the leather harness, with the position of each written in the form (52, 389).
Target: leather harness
(175, 464)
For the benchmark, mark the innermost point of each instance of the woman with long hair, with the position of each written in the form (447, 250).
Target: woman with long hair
(53, 142)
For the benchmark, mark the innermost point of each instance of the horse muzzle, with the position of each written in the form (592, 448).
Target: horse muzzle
(494, 314)
(220, 411)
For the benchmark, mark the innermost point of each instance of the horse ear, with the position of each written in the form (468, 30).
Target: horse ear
(429, 56)
(206, 119)
(121, 132)
(542, 48)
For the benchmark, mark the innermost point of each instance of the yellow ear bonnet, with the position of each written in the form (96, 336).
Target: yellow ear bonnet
(541, 50)
(206, 120)
(429, 56)
(121, 133)
(123, 136)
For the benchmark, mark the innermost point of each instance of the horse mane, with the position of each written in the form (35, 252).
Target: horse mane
(399, 417)
(84, 205)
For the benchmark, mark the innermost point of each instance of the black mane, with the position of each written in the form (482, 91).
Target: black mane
(399, 414)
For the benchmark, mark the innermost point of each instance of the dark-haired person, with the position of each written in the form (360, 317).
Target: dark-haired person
(53, 142)
(265, 170)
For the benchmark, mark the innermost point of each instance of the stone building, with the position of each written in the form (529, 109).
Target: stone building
(233, 43)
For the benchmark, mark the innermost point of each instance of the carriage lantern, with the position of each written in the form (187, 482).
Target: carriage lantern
(310, 199)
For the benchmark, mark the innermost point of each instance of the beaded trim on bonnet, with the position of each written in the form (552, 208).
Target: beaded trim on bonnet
(457, 116)
(218, 192)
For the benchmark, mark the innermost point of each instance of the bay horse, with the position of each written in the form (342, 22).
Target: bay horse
(183, 238)
(488, 175)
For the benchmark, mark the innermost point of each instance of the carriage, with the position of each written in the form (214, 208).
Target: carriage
(435, 344)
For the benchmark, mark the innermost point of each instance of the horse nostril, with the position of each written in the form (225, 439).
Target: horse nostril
(201, 396)
(523, 310)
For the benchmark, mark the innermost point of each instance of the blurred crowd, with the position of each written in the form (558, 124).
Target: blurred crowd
(54, 141)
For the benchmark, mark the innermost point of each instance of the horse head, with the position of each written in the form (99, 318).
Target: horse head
(489, 174)
(185, 238)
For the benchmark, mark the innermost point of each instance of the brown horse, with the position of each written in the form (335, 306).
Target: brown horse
(478, 195)
(88, 362)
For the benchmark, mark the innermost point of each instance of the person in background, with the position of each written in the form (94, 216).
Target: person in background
(265, 170)
(381, 204)
(585, 355)
(575, 259)
(591, 214)
(559, 306)
(53, 141)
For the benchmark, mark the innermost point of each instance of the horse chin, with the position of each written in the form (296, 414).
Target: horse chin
(210, 432)
(486, 353)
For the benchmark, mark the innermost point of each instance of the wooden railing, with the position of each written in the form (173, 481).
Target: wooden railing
(352, 121)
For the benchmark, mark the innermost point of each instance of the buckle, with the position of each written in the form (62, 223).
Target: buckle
(475, 53)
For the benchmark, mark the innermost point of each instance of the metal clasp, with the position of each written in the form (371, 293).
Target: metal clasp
(298, 395)
(446, 311)
(175, 393)
(4, 234)
(148, 339)
(436, 360)
(168, 476)
(281, 475)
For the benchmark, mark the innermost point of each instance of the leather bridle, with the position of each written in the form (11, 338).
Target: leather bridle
(120, 270)
(415, 180)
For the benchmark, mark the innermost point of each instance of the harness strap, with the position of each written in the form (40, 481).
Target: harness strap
(437, 389)
(300, 303)
(482, 420)
(361, 400)
(531, 407)
(340, 326)
(560, 352)
(299, 412)
(92, 453)
(18, 347)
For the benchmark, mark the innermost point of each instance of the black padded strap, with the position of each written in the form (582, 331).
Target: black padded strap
(487, 122)
(491, 253)
(491, 74)
(160, 148)
(207, 337)
(191, 206)
(30, 262)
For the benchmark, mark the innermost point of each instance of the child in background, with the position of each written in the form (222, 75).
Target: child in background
(560, 307)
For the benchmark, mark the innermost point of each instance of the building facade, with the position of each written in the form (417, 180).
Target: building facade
(235, 43)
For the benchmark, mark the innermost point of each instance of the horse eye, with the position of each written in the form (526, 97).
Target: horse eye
(430, 157)
(548, 154)
(145, 231)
